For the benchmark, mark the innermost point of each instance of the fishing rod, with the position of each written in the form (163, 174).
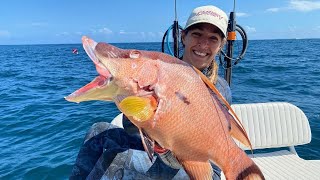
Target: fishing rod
(233, 27)
(175, 32)
(176, 29)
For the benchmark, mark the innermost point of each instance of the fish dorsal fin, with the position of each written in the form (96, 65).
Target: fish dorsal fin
(237, 130)
(148, 143)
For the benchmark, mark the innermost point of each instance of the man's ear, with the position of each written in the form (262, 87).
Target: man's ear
(183, 35)
(224, 41)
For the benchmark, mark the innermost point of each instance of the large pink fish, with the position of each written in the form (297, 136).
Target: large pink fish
(173, 105)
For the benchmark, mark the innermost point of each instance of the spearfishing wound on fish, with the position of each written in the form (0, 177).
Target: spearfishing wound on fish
(160, 90)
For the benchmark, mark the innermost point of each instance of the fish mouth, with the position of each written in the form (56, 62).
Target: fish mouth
(89, 46)
(101, 88)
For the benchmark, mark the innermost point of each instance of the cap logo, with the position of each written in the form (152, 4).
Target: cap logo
(211, 13)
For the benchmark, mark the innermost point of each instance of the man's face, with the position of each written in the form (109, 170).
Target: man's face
(201, 45)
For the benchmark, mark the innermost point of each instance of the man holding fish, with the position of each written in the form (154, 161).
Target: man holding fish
(178, 114)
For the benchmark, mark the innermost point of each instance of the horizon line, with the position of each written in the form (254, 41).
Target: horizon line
(143, 42)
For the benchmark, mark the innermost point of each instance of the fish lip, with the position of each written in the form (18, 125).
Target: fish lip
(85, 92)
(89, 46)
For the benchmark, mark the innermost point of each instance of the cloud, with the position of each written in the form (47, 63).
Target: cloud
(4, 34)
(39, 24)
(251, 29)
(143, 34)
(78, 33)
(123, 32)
(148, 34)
(151, 34)
(304, 6)
(241, 14)
(160, 34)
(298, 5)
(105, 30)
(317, 28)
(292, 28)
(273, 9)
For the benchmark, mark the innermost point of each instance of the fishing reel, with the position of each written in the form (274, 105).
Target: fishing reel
(232, 30)
(176, 31)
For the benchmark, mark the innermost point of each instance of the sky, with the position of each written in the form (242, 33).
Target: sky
(121, 21)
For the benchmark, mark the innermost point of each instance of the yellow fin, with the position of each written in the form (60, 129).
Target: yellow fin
(140, 108)
(237, 129)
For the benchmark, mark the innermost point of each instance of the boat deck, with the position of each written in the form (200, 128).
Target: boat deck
(277, 125)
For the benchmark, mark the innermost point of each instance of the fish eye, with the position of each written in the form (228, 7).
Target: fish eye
(135, 54)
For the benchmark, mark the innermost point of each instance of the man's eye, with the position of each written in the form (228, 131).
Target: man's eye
(214, 38)
(195, 34)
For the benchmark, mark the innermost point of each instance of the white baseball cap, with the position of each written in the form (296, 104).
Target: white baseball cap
(209, 14)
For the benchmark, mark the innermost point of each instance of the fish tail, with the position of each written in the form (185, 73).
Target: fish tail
(243, 167)
(252, 172)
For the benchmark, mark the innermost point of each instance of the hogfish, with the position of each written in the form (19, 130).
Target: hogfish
(174, 106)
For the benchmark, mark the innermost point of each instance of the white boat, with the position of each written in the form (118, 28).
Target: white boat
(275, 126)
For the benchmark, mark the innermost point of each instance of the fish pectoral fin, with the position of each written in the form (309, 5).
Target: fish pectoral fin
(197, 169)
(140, 108)
(148, 143)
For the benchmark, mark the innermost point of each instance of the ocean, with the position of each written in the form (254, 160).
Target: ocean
(41, 133)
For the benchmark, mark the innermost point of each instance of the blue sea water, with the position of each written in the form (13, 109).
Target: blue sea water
(41, 133)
